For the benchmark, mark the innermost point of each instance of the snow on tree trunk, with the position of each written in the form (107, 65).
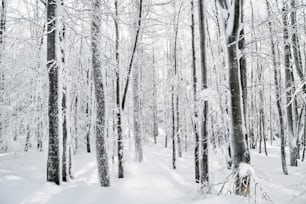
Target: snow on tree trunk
(173, 129)
(65, 154)
(243, 78)
(126, 86)
(239, 152)
(3, 144)
(101, 151)
(204, 135)
(289, 84)
(195, 112)
(298, 63)
(137, 132)
(88, 111)
(53, 163)
(155, 117)
(277, 94)
(118, 108)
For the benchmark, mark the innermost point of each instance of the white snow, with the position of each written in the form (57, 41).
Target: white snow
(23, 180)
(246, 170)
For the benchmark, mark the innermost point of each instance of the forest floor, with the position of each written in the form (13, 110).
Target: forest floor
(23, 180)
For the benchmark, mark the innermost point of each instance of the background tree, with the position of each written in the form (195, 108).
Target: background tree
(204, 132)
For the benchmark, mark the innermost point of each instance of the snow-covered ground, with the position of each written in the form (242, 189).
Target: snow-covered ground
(23, 180)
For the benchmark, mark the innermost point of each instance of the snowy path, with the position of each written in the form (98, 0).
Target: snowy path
(22, 180)
(284, 189)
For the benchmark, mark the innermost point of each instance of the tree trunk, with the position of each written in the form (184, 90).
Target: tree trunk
(195, 112)
(243, 78)
(65, 156)
(155, 117)
(118, 115)
(176, 123)
(101, 151)
(53, 163)
(173, 128)
(75, 135)
(137, 132)
(3, 143)
(133, 54)
(277, 94)
(304, 136)
(295, 42)
(239, 150)
(88, 112)
(204, 136)
(289, 84)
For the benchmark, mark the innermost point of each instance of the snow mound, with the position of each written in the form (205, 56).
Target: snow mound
(246, 170)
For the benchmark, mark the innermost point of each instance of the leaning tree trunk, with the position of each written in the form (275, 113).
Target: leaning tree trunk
(204, 136)
(101, 151)
(126, 86)
(53, 163)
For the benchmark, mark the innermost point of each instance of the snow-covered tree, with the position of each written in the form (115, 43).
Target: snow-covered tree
(101, 151)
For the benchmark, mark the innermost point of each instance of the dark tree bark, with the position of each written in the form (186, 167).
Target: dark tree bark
(118, 115)
(53, 163)
(173, 128)
(195, 112)
(102, 159)
(88, 112)
(173, 97)
(239, 150)
(204, 137)
(133, 54)
(28, 143)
